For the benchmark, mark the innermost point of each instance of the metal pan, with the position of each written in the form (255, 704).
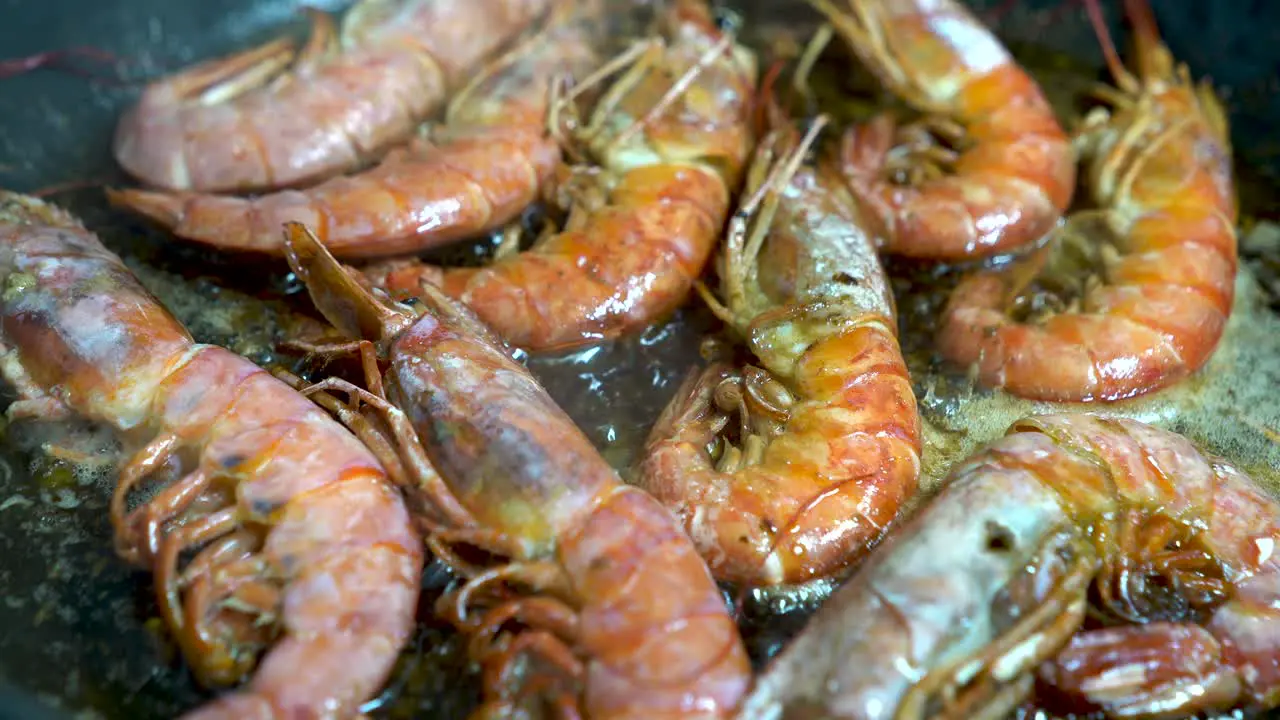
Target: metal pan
(73, 636)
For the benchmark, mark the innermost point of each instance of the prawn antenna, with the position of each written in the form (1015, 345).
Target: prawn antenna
(562, 120)
(1124, 79)
(745, 239)
(809, 59)
(63, 60)
(70, 186)
(780, 176)
(678, 88)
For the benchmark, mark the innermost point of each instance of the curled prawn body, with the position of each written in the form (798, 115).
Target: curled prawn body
(670, 138)
(477, 173)
(981, 598)
(1013, 172)
(238, 124)
(1159, 169)
(792, 469)
(621, 617)
(305, 550)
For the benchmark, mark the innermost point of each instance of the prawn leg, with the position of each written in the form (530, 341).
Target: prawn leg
(58, 59)
(151, 458)
(322, 43)
(426, 481)
(223, 79)
(1141, 670)
(550, 632)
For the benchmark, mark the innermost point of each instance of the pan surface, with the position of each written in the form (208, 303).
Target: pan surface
(75, 634)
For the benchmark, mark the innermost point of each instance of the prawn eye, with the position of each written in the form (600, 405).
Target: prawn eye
(726, 20)
(999, 538)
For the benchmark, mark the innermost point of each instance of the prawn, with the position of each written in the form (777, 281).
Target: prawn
(621, 616)
(982, 597)
(241, 123)
(828, 436)
(477, 174)
(1013, 174)
(308, 551)
(1163, 238)
(671, 137)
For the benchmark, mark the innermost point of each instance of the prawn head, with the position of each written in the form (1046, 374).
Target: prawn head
(339, 294)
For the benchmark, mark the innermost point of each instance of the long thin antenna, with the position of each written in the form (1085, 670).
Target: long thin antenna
(1124, 79)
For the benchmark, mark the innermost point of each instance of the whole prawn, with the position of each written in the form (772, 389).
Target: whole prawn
(980, 597)
(240, 123)
(671, 137)
(307, 548)
(622, 618)
(1164, 236)
(828, 437)
(1014, 173)
(483, 169)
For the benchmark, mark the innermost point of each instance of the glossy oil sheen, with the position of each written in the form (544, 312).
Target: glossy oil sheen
(84, 640)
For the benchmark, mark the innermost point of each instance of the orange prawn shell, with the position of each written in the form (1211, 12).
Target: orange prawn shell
(818, 314)
(628, 256)
(659, 224)
(654, 632)
(1015, 173)
(1163, 175)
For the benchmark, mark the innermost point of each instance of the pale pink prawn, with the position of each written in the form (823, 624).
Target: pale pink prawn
(238, 124)
(478, 172)
(305, 554)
